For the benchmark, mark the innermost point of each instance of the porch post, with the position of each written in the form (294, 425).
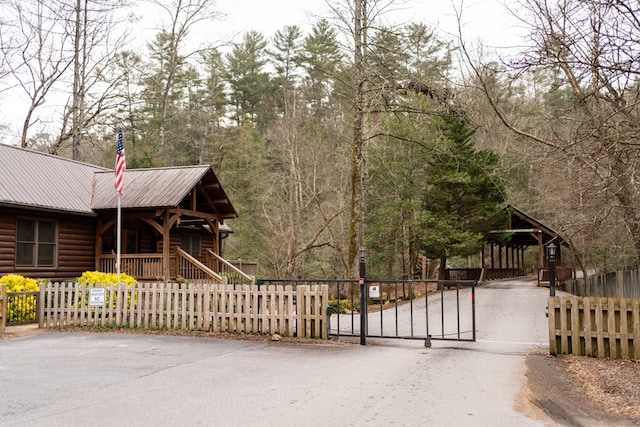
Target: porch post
(166, 250)
(541, 263)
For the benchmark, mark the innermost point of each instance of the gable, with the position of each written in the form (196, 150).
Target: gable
(528, 231)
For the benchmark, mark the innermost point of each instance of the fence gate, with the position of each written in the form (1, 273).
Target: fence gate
(400, 309)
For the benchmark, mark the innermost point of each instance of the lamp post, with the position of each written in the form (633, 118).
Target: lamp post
(551, 251)
(363, 298)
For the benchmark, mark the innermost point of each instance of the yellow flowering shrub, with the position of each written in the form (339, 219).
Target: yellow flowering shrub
(17, 283)
(23, 308)
(99, 278)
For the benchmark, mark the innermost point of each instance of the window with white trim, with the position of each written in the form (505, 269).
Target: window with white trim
(36, 242)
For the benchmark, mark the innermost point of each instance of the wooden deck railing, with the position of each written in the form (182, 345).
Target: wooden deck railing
(140, 266)
(192, 269)
(250, 268)
(212, 268)
(489, 273)
(562, 274)
(227, 269)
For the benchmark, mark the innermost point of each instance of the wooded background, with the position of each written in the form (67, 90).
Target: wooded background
(356, 132)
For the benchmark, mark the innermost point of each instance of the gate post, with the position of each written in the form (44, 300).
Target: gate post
(363, 298)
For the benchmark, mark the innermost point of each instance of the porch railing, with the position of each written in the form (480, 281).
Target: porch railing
(192, 269)
(140, 266)
(227, 269)
(562, 274)
(149, 267)
(477, 273)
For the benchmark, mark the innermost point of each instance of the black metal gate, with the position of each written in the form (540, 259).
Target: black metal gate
(401, 309)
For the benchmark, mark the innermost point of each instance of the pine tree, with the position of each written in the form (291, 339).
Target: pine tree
(463, 199)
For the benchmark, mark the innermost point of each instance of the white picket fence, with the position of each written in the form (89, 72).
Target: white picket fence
(242, 309)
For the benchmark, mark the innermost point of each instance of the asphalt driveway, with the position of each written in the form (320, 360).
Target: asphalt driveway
(73, 379)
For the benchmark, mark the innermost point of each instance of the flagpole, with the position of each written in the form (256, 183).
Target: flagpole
(121, 165)
(119, 227)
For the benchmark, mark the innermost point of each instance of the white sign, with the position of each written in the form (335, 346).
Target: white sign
(374, 291)
(96, 297)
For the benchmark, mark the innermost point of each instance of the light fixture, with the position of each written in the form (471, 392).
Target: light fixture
(551, 249)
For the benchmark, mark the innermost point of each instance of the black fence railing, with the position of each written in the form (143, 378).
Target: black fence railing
(408, 309)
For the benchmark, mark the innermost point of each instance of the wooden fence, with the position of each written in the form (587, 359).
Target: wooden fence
(3, 308)
(597, 327)
(616, 284)
(238, 309)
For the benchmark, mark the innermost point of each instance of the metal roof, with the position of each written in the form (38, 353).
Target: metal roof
(146, 188)
(160, 188)
(42, 181)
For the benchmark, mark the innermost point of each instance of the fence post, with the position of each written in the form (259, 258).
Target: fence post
(3, 308)
(553, 343)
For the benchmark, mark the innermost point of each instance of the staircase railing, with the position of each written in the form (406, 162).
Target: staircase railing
(193, 270)
(227, 269)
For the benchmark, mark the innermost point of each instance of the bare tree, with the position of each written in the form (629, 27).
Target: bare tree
(31, 41)
(358, 18)
(183, 15)
(92, 30)
(590, 118)
(50, 46)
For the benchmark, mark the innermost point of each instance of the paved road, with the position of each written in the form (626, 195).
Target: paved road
(73, 379)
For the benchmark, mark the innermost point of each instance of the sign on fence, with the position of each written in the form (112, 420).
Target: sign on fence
(96, 297)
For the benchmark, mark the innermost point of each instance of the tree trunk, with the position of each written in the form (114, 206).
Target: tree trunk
(356, 229)
(442, 269)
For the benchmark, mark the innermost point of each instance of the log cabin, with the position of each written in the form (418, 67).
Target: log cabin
(58, 219)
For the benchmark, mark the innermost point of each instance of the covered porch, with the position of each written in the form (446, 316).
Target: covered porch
(172, 226)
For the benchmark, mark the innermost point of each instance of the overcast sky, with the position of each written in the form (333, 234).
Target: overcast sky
(488, 21)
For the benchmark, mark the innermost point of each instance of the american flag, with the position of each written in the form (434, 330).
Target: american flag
(121, 164)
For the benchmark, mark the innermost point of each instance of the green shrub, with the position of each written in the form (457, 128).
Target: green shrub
(344, 306)
(233, 278)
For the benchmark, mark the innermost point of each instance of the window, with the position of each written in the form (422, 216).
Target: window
(191, 243)
(36, 243)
